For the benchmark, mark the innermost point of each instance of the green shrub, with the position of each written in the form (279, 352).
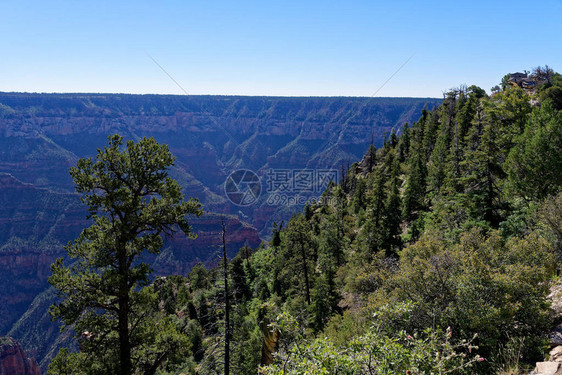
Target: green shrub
(377, 352)
(482, 285)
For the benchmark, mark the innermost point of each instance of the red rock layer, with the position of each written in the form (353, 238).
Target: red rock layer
(14, 361)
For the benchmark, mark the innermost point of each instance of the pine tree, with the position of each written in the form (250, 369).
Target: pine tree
(227, 307)
(415, 191)
(297, 250)
(132, 203)
(393, 212)
(482, 173)
(440, 159)
(404, 143)
(535, 163)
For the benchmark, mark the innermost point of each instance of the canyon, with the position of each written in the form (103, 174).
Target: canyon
(43, 135)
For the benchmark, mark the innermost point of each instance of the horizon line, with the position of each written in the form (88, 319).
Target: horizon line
(216, 95)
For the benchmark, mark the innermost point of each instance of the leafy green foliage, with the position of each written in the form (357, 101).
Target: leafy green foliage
(430, 352)
(425, 213)
(471, 287)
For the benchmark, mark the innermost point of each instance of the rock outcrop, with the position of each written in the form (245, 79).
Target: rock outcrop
(553, 363)
(551, 367)
(14, 361)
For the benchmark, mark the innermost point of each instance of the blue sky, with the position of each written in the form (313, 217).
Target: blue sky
(295, 48)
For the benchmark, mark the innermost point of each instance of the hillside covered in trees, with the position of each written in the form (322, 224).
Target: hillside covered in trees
(434, 254)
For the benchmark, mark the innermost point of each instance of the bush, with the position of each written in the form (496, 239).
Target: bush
(483, 285)
(377, 352)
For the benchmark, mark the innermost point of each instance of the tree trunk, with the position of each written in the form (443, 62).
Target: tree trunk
(305, 269)
(125, 364)
(227, 306)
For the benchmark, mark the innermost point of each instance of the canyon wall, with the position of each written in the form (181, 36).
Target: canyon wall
(14, 361)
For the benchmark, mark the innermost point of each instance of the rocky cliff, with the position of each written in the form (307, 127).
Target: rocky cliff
(35, 224)
(42, 136)
(13, 360)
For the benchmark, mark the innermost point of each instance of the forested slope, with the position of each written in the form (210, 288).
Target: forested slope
(435, 253)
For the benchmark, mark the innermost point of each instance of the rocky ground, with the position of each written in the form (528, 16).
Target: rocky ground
(552, 365)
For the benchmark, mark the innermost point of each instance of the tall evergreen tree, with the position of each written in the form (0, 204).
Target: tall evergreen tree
(393, 212)
(483, 173)
(535, 163)
(297, 250)
(440, 159)
(414, 194)
(227, 307)
(132, 203)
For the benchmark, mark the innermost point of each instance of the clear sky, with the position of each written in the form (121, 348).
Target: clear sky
(289, 47)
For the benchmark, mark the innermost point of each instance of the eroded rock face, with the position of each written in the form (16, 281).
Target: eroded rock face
(36, 223)
(14, 361)
(42, 136)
